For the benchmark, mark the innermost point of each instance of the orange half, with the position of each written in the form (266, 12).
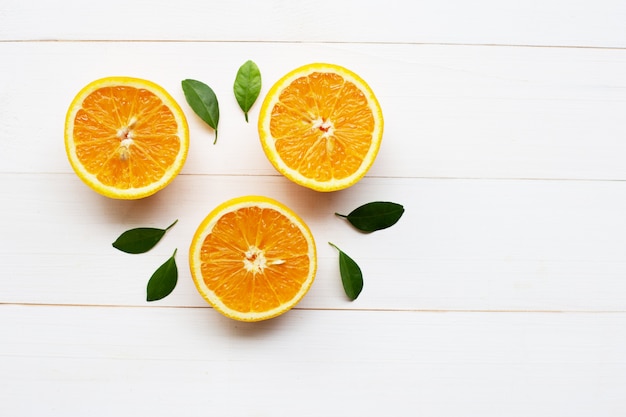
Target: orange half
(321, 126)
(126, 137)
(252, 258)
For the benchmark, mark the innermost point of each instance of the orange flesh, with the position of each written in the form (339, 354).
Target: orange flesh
(125, 136)
(250, 235)
(322, 126)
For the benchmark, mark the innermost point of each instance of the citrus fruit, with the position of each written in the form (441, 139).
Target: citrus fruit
(252, 258)
(125, 137)
(321, 126)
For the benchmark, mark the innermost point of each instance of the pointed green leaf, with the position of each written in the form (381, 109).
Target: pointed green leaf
(141, 239)
(164, 280)
(351, 275)
(203, 102)
(374, 216)
(247, 86)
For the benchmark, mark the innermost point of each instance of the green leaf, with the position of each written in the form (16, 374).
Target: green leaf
(247, 86)
(163, 281)
(374, 216)
(351, 275)
(203, 102)
(141, 239)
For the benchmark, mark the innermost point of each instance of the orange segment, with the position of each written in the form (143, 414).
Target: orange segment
(321, 126)
(252, 258)
(125, 137)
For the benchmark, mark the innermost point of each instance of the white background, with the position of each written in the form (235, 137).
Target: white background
(501, 292)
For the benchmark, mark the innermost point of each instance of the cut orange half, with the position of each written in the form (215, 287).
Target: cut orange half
(321, 126)
(125, 137)
(252, 258)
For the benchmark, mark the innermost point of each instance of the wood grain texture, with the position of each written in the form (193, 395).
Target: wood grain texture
(551, 22)
(450, 111)
(461, 244)
(108, 361)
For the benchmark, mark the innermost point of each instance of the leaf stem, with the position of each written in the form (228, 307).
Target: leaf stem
(215, 141)
(171, 225)
(341, 215)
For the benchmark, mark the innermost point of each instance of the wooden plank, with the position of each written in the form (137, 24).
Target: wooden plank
(450, 111)
(461, 245)
(158, 361)
(552, 22)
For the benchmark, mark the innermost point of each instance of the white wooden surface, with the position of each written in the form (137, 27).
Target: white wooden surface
(500, 292)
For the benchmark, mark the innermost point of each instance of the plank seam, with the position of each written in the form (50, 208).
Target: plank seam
(317, 42)
(390, 310)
